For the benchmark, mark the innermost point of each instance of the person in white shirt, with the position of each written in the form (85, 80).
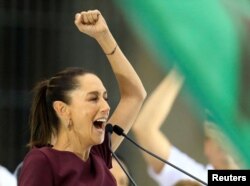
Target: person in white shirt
(148, 123)
(6, 177)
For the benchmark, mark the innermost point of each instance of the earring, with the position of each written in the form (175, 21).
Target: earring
(69, 124)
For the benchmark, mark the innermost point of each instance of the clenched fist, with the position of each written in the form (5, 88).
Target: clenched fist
(91, 23)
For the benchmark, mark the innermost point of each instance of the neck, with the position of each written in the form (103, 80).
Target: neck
(68, 141)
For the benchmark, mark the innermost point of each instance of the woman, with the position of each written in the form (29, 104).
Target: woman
(70, 111)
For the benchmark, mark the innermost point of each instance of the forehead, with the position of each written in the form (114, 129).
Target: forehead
(90, 82)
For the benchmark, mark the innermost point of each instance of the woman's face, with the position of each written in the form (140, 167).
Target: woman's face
(89, 109)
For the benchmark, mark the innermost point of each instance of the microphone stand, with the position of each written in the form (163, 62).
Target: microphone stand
(119, 131)
(109, 129)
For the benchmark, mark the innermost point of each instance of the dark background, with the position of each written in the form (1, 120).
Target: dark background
(38, 38)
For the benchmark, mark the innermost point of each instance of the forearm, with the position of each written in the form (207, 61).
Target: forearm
(129, 83)
(151, 117)
(132, 92)
(157, 143)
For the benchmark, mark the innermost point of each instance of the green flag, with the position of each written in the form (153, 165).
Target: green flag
(205, 39)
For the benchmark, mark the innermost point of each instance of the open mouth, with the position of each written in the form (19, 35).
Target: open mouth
(99, 124)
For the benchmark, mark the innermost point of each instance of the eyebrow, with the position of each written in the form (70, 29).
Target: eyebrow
(105, 93)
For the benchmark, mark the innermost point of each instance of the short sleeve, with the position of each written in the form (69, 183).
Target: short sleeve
(169, 175)
(36, 170)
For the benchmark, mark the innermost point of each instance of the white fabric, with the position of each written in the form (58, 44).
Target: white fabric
(169, 175)
(6, 178)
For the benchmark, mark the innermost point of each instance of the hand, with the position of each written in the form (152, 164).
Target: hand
(91, 23)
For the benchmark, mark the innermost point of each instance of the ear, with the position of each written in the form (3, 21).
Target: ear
(61, 108)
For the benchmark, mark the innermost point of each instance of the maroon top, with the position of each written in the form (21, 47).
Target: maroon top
(49, 167)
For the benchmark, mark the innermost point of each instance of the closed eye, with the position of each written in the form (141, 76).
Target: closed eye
(93, 98)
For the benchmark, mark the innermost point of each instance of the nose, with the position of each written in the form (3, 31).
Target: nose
(105, 108)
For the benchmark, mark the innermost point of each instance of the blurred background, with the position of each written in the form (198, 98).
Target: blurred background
(39, 38)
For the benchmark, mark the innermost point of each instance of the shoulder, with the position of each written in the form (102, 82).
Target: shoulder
(38, 159)
(36, 154)
(6, 178)
(36, 165)
(4, 171)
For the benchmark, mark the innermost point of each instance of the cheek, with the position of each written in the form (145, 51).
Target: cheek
(83, 115)
(80, 120)
(89, 109)
(83, 111)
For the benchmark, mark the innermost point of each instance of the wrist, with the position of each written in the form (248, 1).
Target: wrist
(112, 52)
(107, 43)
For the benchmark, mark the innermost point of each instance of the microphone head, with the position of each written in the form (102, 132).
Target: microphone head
(109, 128)
(118, 130)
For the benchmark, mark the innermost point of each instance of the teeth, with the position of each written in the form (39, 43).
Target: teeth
(102, 120)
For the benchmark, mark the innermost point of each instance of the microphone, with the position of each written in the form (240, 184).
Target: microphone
(120, 132)
(109, 129)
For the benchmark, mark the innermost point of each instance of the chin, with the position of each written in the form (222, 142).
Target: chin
(98, 141)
